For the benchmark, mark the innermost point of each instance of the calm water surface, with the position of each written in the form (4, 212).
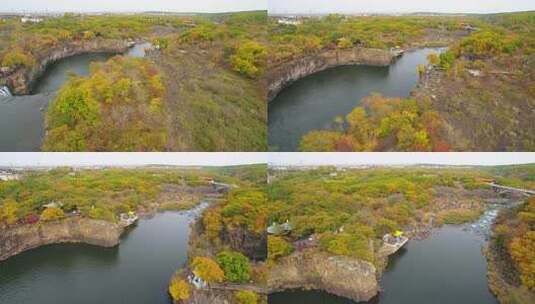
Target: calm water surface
(138, 271)
(22, 117)
(446, 268)
(313, 102)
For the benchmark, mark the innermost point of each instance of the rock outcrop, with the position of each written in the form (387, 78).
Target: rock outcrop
(14, 240)
(309, 269)
(283, 74)
(21, 81)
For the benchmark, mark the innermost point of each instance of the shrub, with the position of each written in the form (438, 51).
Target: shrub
(459, 216)
(249, 59)
(246, 297)
(347, 244)
(8, 212)
(320, 141)
(101, 213)
(52, 214)
(161, 43)
(523, 253)
(447, 59)
(17, 58)
(344, 43)
(278, 247)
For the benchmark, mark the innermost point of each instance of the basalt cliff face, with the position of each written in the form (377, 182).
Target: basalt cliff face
(14, 240)
(21, 81)
(309, 269)
(283, 74)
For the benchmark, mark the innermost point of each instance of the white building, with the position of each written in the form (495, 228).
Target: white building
(7, 176)
(30, 19)
(289, 21)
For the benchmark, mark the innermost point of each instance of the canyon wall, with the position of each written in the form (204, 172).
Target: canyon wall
(21, 81)
(309, 269)
(14, 240)
(281, 75)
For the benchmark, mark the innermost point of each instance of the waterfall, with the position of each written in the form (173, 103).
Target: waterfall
(4, 91)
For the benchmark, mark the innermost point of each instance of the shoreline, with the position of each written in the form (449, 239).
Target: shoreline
(418, 233)
(284, 74)
(22, 81)
(21, 238)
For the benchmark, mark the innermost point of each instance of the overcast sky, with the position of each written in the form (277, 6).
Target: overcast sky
(223, 159)
(131, 159)
(310, 159)
(132, 5)
(390, 6)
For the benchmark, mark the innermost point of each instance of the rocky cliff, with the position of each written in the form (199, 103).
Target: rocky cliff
(283, 74)
(15, 240)
(21, 81)
(309, 269)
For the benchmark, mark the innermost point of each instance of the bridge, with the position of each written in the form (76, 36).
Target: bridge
(220, 187)
(238, 287)
(497, 187)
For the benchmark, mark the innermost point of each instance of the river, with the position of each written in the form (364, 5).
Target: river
(313, 102)
(22, 117)
(447, 268)
(137, 271)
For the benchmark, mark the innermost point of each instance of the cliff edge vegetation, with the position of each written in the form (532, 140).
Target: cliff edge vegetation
(476, 96)
(339, 216)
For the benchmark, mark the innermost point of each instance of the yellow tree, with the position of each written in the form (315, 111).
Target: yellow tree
(52, 214)
(212, 224)
(8, 212)
(208, 270)
(179, 289)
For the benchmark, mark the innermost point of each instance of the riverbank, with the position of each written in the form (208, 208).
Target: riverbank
(313, 268)
(21, 80)
(76, 229)
(506, 277)
(226, 253)
(491, 94)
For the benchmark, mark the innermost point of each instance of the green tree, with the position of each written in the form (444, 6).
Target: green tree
(447, 59)
(235, 265)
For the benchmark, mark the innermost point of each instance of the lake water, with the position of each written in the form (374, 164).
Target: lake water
(446, 268)
(313, 102)
(22, 117)
(137, 271)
